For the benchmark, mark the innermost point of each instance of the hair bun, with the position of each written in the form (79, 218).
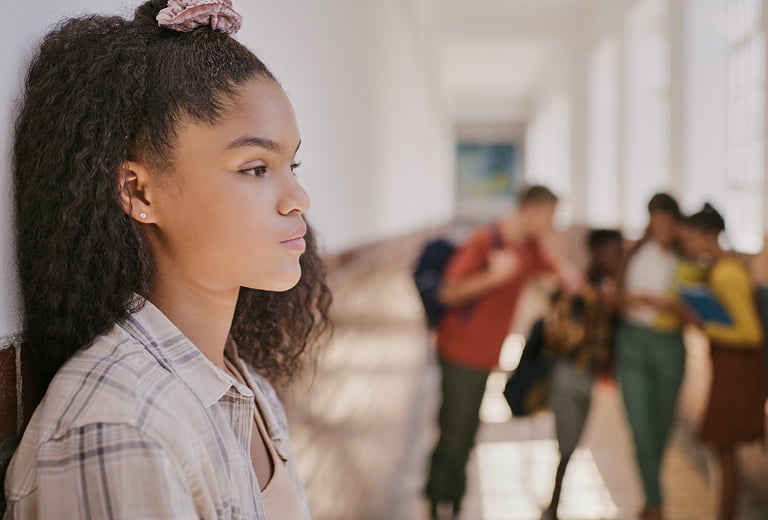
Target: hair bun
(146, 13)
(188, 15)
(708, 218)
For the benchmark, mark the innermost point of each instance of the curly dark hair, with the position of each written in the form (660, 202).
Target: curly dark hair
(101, 91)
(708, 220)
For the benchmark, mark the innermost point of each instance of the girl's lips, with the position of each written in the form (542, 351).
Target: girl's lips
(297, 244)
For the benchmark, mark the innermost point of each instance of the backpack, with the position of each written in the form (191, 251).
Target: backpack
(430, 268)
(527, 389)
(428, 274)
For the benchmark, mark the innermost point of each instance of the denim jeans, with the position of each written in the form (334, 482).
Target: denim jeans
(650, 366)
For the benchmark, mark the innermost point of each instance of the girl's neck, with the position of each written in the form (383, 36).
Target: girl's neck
(717, 253)
(665, 246)
(202, 315)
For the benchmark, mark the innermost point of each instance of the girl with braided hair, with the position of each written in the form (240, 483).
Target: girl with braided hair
(168, 275)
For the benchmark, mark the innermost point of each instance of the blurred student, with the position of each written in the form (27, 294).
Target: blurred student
(736, 410)
(579, 333)
(481, 288)
(650, 356)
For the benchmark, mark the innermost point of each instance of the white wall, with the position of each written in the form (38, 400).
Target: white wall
(548, 159)
(19, 34)
(377, 146)
(706, 65)
(646, 104)
(603, 187)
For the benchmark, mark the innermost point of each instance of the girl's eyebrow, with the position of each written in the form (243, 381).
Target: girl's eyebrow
(250, 140)
(261, 142)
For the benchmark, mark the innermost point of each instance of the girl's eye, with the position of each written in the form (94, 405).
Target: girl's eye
(256, 171)
(294, 166)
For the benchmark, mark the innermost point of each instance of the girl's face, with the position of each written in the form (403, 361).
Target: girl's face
(607, 258)
(230, 212)
(696, 242)
(662, 227)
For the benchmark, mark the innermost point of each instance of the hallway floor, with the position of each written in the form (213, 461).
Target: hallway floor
(362, 426)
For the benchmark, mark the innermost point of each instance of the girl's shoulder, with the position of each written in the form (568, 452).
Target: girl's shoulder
(729, 270)
(99, 383)
(115, 380)
(730, 264)
(647, 254)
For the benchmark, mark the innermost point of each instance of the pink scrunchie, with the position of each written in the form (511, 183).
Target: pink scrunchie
(187, 15)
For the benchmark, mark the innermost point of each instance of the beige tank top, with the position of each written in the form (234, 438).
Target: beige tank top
(279, 497)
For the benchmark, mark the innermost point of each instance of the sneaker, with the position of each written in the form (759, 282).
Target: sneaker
(444, 510)
(548, 514)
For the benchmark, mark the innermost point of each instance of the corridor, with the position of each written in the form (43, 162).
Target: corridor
(416, 118)
(362, 425)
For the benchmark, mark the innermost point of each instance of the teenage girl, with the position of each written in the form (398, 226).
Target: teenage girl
(166, 268)
(650, 356)
(578, 336)
(736, 410)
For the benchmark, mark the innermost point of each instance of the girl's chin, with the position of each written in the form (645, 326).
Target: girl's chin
(279, 283)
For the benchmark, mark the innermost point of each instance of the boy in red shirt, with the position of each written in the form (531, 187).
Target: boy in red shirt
(481, 287)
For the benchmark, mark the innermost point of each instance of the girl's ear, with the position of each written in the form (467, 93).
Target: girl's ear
(133, 187)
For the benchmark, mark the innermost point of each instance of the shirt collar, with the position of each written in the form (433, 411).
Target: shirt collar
(174, 351)
(253, 381)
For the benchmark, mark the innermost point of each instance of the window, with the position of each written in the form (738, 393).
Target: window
(646, 157)
(603, 186)
(548, 153)
(745, 128)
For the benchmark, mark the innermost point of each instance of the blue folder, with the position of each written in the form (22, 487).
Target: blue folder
(705, 304)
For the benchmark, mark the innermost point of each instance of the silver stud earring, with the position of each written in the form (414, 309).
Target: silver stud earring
(143, 215)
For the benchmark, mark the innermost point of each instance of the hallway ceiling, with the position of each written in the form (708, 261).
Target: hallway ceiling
(493, 55)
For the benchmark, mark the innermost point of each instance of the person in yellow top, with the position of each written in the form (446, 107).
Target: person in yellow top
(736, 409)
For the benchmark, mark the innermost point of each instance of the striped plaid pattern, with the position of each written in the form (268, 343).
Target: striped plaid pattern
(141, 425)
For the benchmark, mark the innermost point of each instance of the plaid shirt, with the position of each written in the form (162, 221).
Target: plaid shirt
(141, 425)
